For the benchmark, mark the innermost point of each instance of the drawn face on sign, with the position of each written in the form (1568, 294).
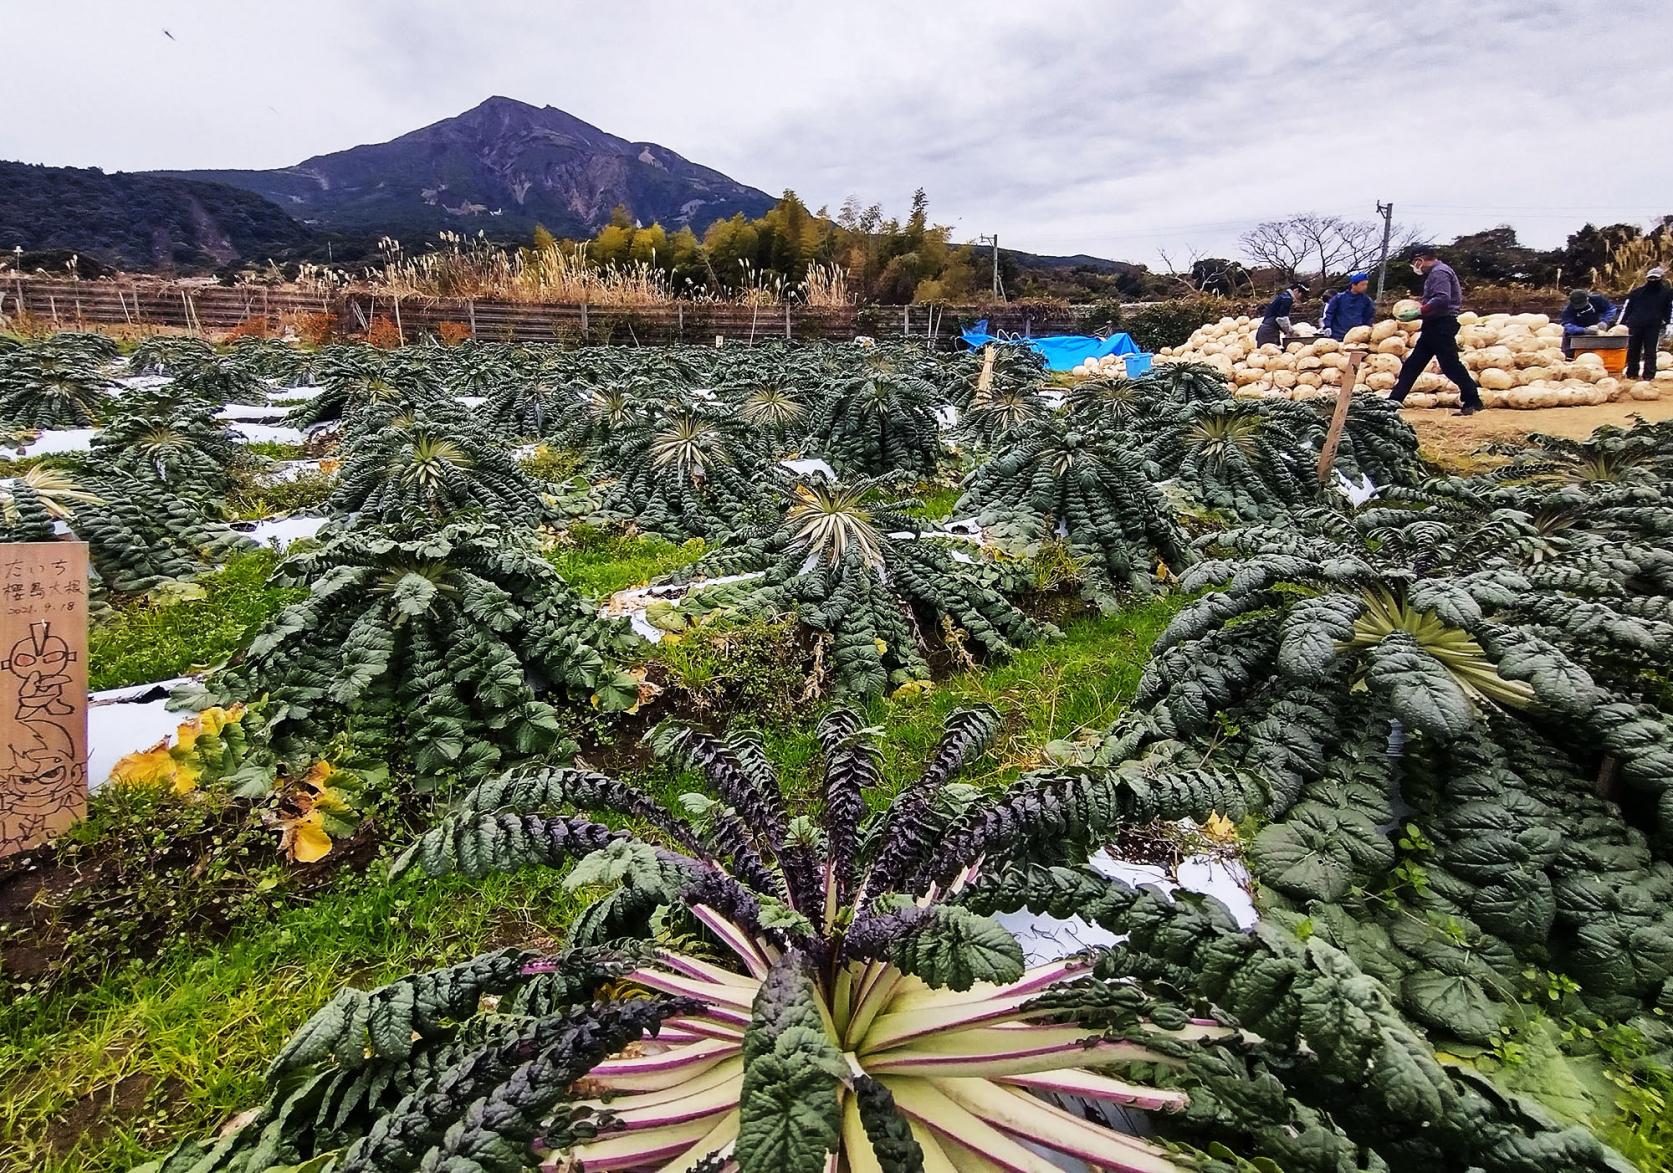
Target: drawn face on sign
(41, 653)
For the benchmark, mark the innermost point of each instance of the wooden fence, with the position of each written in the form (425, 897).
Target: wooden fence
(198, 307)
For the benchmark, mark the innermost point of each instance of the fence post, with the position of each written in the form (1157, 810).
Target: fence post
(583, 321)
(470, 308)
(906, 321)
(52, 304)
(787, 321)
(400, 334)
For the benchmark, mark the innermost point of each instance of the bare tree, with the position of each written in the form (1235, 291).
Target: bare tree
(1309, 243)
(1208, 274)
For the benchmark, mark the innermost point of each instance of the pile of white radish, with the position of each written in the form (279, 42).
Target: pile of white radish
(1516, 358)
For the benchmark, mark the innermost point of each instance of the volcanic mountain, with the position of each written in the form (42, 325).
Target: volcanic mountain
(503, 166)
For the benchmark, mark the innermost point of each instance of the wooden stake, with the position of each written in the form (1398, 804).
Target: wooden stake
(1339, 420)
(470, 308)
(984, 382)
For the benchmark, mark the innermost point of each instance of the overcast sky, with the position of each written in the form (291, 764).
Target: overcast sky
(1110, 128)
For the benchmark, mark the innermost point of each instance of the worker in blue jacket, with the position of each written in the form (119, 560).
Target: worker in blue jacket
(1585, 313)
(1349, 308)
(1275, 327)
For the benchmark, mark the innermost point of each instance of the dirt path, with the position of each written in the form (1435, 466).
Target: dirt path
(1456, 441)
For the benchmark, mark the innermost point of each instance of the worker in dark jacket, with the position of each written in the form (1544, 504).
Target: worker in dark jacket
(1441, 303)
(1585, 313)
(1349, 308)
(1646, 314)
(1275, 326)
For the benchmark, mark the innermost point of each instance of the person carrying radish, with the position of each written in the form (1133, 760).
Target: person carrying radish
(1438, 308)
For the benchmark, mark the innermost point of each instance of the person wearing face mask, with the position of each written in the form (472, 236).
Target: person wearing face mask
(1645, 314)
(1440, 304)
(1585, 313)
(1275, 327)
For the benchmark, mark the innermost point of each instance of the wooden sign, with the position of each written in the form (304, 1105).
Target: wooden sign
(43, 691)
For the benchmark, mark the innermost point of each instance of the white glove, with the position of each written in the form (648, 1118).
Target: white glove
(1594, 329)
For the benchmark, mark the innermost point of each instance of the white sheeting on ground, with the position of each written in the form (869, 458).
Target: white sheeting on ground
(1359, 494)
(252, 412)
(1046, 938)
(123, 720)
(294, 392)
(285, 530)
(60, 440)
(141, 383)
(631, 604)
(811, 467)
(267, 434)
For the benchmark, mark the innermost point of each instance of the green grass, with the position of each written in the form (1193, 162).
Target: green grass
(155, 641)
(16, 466)
(173, 1046)
(937, 503)
(275, 450)
(1072, 686)
(253, 499)
(598, 564)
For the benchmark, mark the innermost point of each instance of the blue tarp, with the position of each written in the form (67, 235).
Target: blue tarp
(1063, 352)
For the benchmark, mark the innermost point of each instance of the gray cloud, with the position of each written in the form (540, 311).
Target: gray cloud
(1112, 128)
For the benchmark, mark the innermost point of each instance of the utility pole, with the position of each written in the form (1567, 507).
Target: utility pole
(1387, 213)
(998, 289)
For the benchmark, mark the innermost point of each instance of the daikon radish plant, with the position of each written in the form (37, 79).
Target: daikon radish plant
(768, 993)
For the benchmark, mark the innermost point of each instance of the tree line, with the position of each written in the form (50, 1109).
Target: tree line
(888, 260)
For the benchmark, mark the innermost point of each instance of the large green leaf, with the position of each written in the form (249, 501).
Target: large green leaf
(1419, 687)
(956, 948)
(790, 1110)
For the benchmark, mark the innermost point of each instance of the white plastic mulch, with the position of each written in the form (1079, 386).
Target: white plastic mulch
(631, 604)
(811, 468)
(267, 433)
(1047, 938)
(59, 440)
(121, 721)
(252, 412)
(284, 530)
(141, 383)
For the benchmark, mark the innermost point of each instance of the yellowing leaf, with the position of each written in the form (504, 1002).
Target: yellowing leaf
(186, 733)
(306, 838)
(882, 646)
(318, 773)
(186, 774)
(1220, 829)
(216, 718)
(913, 688)
(146, 767)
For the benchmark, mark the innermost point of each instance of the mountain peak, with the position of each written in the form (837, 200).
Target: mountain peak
(503, 165)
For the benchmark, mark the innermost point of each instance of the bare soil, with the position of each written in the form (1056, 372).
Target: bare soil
(1456, 443)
